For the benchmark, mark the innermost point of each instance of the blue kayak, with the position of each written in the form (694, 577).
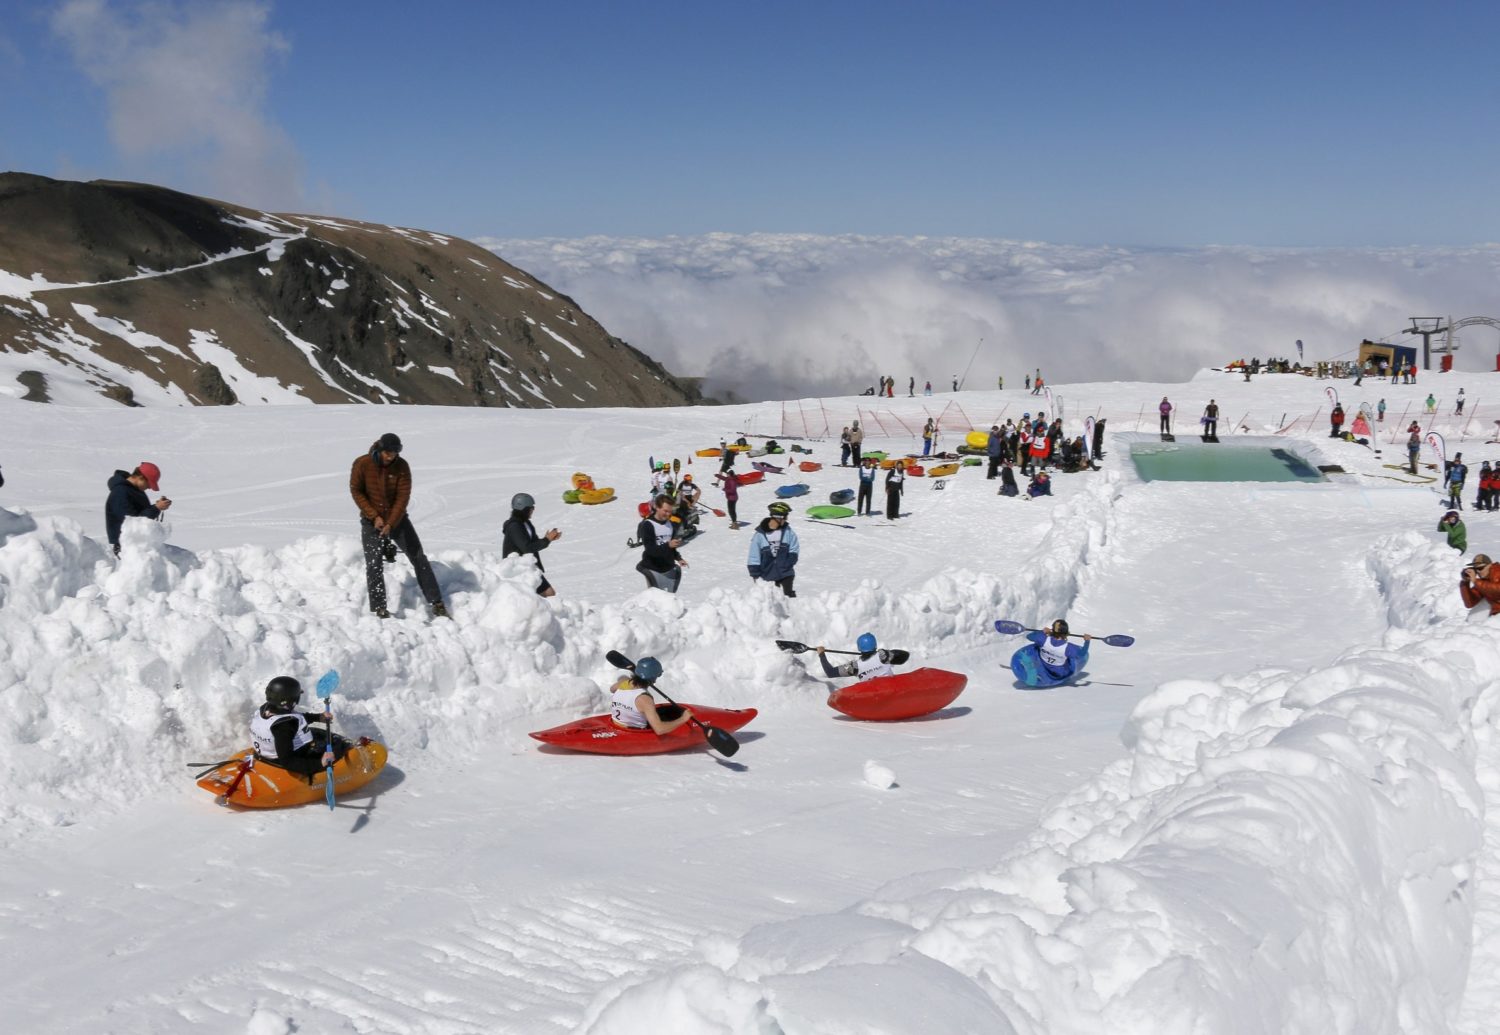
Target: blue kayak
(788, 491)
(1027, 665)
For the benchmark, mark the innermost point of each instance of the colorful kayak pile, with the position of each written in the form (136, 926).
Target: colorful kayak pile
(584, 491)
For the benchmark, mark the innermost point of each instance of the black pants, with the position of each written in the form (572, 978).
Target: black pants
(1166, 423)
(1211, 427)
(405, 538)
(786, 586)
(862, 506)
(729, 506)
(994, 467)
(893, 503)
(668, 580)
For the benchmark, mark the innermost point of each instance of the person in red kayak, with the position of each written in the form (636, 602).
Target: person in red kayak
(871, 663)
(632, 707)
(282, 737)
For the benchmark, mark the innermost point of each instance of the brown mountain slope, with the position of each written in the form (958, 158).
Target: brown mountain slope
(146, 295)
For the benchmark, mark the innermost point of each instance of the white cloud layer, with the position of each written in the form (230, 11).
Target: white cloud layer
(186, 90)
(789, 315)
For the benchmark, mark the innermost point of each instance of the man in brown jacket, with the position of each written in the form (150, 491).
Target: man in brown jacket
(1479, 583)
(380, 483)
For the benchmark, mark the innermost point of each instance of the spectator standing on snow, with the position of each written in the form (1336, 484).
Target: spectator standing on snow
(1457, 473)
(1166, 416)
(1211, 419)
(927, 390)
(380, 482)
(1000, 382)
(955, 382)
(911, 388)
(856, 442)
(1413, 449)
(1453, 526)
(1028, 382)
(1336, 421)
(928, 434)
(895, 484)
(660, 564)
(519, 536)
(1099, 438)
(1485, 479)
(1480, 582)
(866, 487)
(731, 495)
(1431, 403)
(774, 549)
(844, 447)
(127, 498)
(1380, 412)
(994, 447)
(1458, 406)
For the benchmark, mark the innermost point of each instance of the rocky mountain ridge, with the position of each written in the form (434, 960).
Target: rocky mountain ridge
(148, 296)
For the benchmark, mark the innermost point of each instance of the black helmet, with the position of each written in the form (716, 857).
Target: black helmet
(779, 510)
(1059, 629)
(522, 501)
(284, 692)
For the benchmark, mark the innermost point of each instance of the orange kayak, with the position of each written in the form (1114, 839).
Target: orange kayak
(265, 786)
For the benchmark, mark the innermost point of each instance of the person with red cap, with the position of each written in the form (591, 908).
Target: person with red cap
(127, 498)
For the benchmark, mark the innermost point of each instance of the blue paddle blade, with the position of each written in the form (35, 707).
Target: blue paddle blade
(328, 684)
(1009, 628)
(328, 785)
(1119, 640)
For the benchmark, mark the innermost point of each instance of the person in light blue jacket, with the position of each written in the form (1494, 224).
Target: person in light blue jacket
(774, 550)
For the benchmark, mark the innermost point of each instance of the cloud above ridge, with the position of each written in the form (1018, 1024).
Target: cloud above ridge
(186, 86)
(790, 315)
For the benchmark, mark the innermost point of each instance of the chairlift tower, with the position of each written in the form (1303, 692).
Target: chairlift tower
(1426, 326)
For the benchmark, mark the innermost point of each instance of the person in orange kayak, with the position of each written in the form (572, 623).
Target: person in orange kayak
(872, 661)
(282, 737)
(632, 707)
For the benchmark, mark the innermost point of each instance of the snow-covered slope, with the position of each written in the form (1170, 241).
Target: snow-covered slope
(1268, 815)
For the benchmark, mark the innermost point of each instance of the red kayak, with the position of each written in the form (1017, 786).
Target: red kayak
(809, 466)
(905, 695)
(598, 735)
(751, 477)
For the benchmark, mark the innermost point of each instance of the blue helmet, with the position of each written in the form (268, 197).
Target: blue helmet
(865, 643)
(648, 670)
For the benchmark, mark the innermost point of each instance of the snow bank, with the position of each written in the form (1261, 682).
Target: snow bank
(1279, 851)
(116, 672)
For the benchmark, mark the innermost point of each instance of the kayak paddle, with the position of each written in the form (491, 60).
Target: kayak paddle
(896, 657)
(326, 686)
(1011, 628)
(721, 741)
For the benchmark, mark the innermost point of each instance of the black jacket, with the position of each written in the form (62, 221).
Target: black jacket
(658, 555)
(520, 537)
(125, 500)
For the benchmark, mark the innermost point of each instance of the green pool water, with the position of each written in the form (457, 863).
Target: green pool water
(1165, 462)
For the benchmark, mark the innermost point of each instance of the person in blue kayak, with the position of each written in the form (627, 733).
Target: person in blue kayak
(1060, 659)
(871, 663)
(632, 707)
(774, 549)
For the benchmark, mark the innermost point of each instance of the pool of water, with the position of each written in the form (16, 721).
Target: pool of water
(1183, 462)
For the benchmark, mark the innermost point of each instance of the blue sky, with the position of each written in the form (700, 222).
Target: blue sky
(1335, 124)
